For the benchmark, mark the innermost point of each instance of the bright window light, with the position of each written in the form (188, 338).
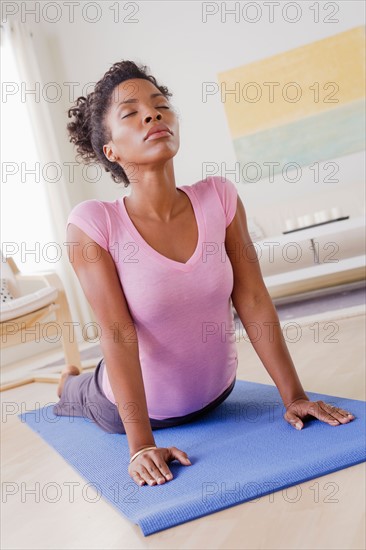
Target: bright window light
(25, 217)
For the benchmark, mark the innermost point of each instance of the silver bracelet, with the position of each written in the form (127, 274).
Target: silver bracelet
(141, 451)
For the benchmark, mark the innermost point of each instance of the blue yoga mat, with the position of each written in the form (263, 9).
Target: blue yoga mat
(240, 451)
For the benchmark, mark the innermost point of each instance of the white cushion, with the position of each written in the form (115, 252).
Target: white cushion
(7, 273)
(27, 304)
(5, 294)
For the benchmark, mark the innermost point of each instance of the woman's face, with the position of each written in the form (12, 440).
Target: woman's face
(137, 106)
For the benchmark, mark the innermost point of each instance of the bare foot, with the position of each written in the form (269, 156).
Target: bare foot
(69, 370)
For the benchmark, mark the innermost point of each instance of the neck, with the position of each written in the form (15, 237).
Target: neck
(153, 193)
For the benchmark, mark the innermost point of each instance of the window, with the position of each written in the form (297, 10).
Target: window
(26, 226)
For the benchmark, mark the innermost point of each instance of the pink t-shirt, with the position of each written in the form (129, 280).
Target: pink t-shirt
(182, 312)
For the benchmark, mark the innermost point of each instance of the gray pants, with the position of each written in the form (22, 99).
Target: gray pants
(83, 396)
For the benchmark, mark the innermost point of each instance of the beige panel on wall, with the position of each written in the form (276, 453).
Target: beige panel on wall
(327, 73)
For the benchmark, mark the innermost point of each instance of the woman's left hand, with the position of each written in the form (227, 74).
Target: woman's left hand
(323, 411)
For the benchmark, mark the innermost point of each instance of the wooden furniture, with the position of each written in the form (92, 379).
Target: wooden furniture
(24, 318)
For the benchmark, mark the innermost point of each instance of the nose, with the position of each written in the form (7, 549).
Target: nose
(149, 118)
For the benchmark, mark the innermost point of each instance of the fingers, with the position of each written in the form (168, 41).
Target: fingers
(149, 473)
(153, 474)
(332, 415)
(180, 455)
(152, 469)
(321, 410)
(137, 478)
(293, 419)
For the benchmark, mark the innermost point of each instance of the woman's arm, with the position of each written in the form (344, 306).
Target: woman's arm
(102, 288)
(256, 311)
(259, 317)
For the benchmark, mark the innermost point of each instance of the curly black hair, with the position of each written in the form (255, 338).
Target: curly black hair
(88, 130)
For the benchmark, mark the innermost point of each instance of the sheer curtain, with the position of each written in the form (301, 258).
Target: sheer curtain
(50, 203)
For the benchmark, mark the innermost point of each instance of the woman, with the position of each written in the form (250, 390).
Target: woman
(160, 268)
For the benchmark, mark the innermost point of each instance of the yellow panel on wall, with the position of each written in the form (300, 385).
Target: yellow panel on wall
(304, 81)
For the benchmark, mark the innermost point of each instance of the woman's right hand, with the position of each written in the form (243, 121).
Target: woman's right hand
(151, 466)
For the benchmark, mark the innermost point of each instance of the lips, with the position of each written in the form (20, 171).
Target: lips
(157, 128)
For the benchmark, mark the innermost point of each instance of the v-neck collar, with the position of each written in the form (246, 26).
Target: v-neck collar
(154, 253)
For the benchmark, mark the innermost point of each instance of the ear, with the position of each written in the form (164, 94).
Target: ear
(109, 153)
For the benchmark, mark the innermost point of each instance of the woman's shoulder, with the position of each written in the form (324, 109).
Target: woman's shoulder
(93, 217)
(221, 190)
(224, 188)
(93, 207)
(218, 182)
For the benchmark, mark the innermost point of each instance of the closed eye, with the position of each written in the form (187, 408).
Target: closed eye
(134, 112)
(129, 114)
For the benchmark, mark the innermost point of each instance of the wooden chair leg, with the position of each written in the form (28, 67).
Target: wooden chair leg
(47, 378)
(70, 346)
(16, 384)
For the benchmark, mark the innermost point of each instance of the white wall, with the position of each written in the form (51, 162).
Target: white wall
(183, 52)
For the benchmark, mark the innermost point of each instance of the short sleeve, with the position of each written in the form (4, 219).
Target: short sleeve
(90, 217)
(228, 196)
